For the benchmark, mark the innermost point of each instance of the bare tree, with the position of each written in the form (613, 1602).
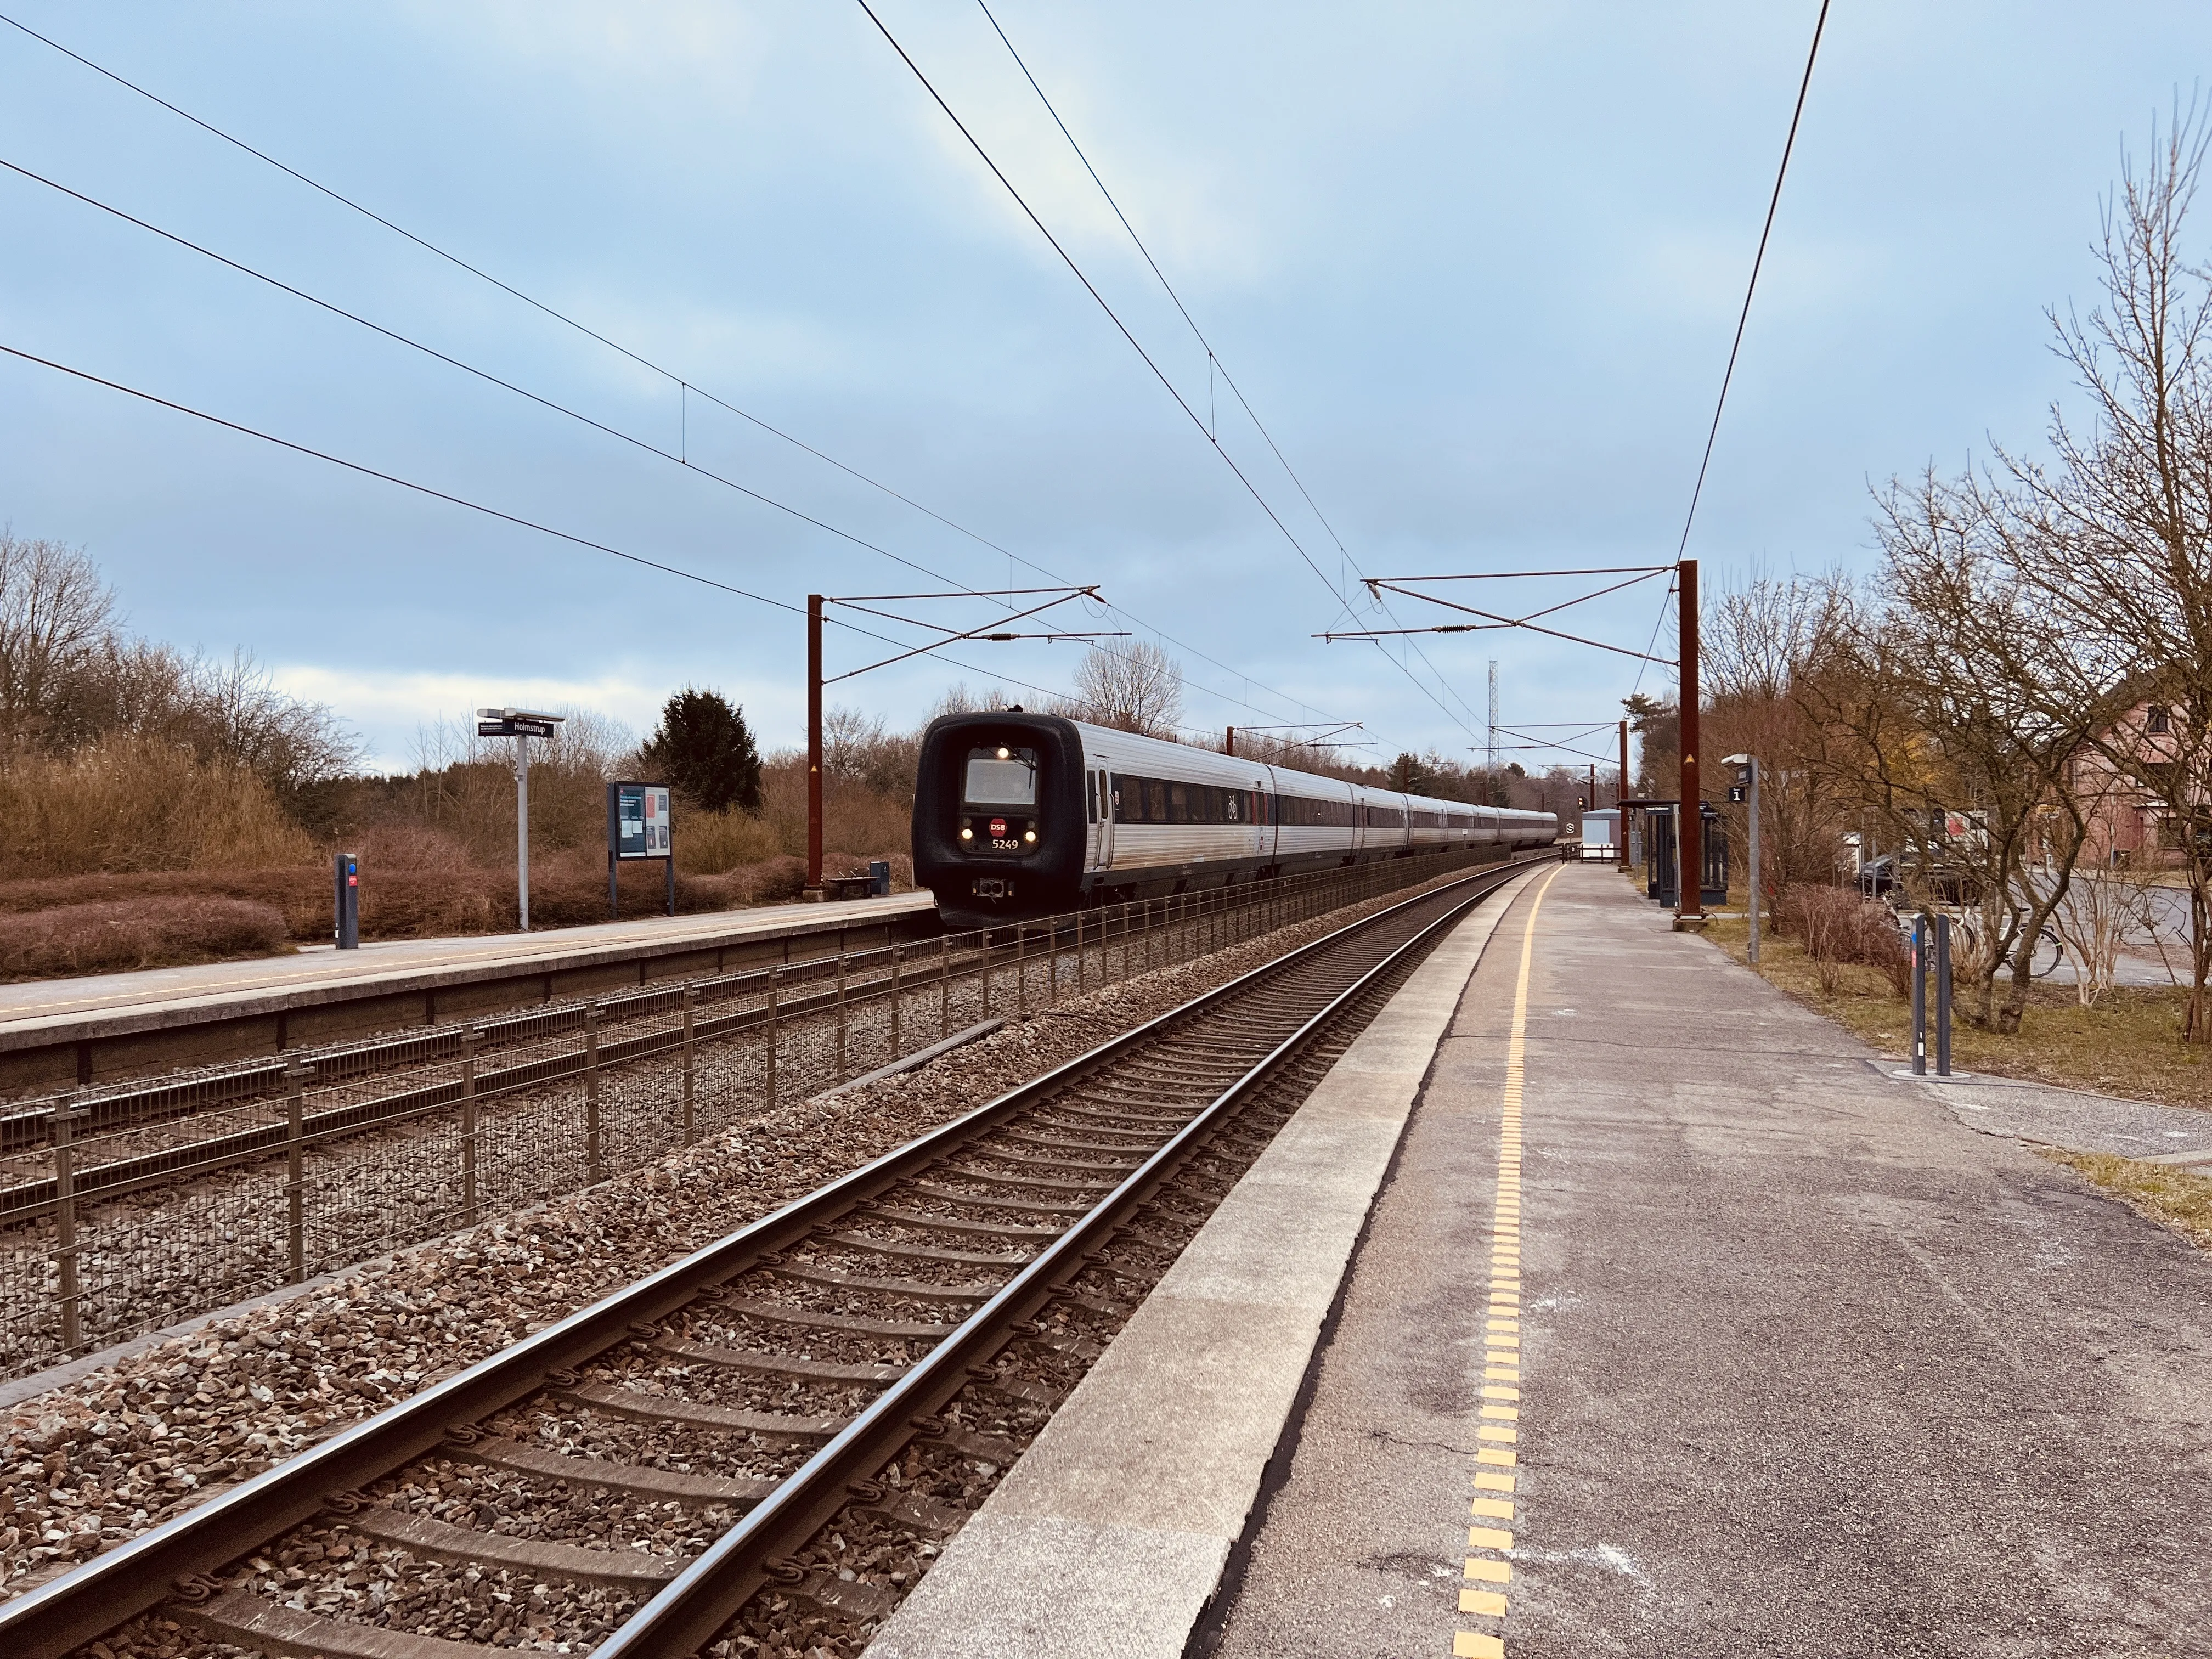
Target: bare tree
(2125, 561)
(1974, 769)
(859, 748)
(55, 613)
(1760, 633)
(1135, 686)
(1754, 633)
(235, 710)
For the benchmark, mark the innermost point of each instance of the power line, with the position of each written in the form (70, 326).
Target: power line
(1652, 644)
(499, 513)
(1212, 358)
(1752, 288)
(1091, 289)
(685, 386)
(452, 361)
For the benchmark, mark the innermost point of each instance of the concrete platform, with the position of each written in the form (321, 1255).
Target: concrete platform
(1111, 1535)
(1808, 1367)
(56, 1032)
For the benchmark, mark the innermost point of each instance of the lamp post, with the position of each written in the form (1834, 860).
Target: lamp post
(1746, 789)
(1689, 909)
(521, 725)
(1621, 794)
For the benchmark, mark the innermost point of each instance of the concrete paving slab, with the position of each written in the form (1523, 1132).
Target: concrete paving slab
(1111, 1534)
(1807, 1367)
(2079, 1120)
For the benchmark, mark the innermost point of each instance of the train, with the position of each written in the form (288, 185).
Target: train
(1017, 816)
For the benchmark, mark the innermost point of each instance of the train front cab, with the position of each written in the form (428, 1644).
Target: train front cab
(1004, 816)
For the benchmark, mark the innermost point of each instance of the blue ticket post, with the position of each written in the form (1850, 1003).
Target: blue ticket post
(349, 902)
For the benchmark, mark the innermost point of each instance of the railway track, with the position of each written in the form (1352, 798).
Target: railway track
(779, 1429)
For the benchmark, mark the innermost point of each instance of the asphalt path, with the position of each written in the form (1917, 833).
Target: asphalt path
(1807, 1366)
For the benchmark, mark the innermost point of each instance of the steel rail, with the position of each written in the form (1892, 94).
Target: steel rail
(683, 1618)
(28, 1201)
(974, 952)
(56, 1618)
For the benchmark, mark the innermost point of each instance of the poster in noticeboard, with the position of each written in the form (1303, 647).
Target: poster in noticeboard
(638, 820)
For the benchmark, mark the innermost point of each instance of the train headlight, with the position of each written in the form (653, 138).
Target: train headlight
(1029, 834)
(1004, 754)
(967, 835)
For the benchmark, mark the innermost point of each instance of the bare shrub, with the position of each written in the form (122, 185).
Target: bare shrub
(715, 843)
(857, 821)
(128, 803)
(859, 749)
(1837, 928)
(769, 881)
(2102, 913)
(93, 938)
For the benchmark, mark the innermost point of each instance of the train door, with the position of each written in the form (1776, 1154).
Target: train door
(1098, 789)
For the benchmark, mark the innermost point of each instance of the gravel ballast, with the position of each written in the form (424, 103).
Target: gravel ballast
(129, 1446)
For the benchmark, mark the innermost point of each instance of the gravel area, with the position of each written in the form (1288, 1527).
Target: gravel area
(121, 1449)
(150, 1259)
(1028, 1380)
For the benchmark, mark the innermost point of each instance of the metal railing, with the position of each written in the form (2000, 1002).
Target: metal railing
(127, 1208)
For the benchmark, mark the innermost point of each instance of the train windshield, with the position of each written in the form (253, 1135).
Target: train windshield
(1001, 777)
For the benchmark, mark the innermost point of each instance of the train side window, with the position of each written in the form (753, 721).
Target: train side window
(1178, 804)
(1156, 803)
(1125, 809)
(1090, 795)
(1234, 806)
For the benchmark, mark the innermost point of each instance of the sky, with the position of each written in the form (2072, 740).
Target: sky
(1475, 267)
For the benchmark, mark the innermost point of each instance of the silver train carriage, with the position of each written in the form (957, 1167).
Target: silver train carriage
(1019, 815)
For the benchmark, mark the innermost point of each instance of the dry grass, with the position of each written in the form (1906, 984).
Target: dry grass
(129, 804)
(108, 855)
(857, 821)
(715, 843)
(2173, 1198)
(2129, 1044)
(155, 932)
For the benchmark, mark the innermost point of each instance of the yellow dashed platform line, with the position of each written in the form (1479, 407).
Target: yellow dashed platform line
(1501, 1371)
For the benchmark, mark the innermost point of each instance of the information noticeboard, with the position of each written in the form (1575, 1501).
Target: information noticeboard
(638, 821)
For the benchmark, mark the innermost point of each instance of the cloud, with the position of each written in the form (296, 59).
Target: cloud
(390, 710)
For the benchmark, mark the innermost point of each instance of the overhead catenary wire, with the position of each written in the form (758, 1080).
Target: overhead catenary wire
(1758, 260)
(1196, 420)
(1213, 364)
(686, 386)
(1743, 319)
(466, 367)
(488, 511)
(1652, 644)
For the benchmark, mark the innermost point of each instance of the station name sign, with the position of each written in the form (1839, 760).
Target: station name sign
(522, 725)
